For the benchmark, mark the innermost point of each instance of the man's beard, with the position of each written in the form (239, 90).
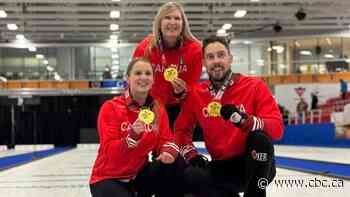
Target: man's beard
(222, 79)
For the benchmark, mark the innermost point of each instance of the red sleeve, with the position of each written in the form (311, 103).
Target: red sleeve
(166, 141)
(111, 139)
(184, 126)
(267, 115)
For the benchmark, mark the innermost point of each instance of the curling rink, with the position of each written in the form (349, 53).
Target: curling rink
(67, 173)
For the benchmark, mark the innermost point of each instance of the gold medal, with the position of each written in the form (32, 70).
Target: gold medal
(170, 73)
(146, 116)
(214, 109)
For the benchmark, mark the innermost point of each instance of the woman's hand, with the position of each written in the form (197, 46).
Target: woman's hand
(166, 158)
(138, 127)
(179, 86)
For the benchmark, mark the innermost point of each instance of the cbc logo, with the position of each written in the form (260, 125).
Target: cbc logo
(262, 183)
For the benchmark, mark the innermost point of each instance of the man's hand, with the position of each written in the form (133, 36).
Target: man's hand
(231, 113)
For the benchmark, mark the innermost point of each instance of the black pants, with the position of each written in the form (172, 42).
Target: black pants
(173, 111)
(164, 180)
(111, 187)
(249, 173)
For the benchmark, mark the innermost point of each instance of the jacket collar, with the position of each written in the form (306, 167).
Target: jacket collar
(234, 79)
(132, 104)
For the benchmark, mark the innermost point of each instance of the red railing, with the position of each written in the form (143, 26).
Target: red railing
(321, 115)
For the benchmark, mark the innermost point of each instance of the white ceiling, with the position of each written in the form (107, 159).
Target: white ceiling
(84, 21)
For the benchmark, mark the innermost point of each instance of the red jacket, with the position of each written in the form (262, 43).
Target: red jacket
(222, 139)
(123, 153)
(187, 59)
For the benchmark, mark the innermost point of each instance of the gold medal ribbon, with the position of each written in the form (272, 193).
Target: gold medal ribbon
(214, 106)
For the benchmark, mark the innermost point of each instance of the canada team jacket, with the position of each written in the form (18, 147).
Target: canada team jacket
(222, 138)
(187, 59)
(122, 153)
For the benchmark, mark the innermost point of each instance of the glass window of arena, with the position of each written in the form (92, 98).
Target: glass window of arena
(311, 55)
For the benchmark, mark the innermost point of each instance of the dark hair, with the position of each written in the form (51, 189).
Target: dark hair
(213, 39)
(134, 61)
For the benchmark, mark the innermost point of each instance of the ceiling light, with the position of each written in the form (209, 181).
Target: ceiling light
(49, 68)
(305, 53)
(20, 37)
(282, 66)
(300, 14)
(247, 42)
(45, 62)
(115, 56)
(115, 0)
(227, 26)
(12, 26)
(3, 14)
(3, 79)
(240, 13)
(39, 56)
(32, 49)
(57, 77)
(114, 14)
(254, 0)
(278, 48)
(114, 27)
(328, 55)
(221, 32)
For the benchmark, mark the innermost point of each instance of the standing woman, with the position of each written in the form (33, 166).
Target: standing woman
(175, 55)
(130, 127)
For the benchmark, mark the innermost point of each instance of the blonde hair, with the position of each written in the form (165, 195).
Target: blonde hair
(162, 12)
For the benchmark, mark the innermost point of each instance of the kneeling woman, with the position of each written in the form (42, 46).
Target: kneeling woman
(130, 127)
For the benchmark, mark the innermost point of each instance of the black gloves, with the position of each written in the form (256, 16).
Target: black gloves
(199, 161)
(231, 113)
